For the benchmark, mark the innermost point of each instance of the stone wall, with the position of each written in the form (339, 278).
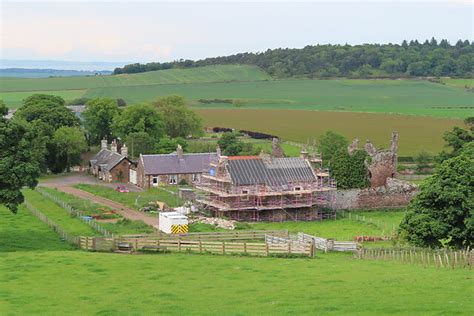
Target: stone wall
(396, 193)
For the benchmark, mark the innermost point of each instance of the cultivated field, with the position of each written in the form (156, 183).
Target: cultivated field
(413, 97)
(415, 132)
(202, 74)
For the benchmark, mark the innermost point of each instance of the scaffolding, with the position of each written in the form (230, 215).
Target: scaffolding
(293, 200)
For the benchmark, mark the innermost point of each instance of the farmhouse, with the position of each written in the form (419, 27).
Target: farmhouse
(110, 165)
(264, 187)
(174, 168)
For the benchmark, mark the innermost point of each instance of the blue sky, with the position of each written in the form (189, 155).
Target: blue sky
(163, 31)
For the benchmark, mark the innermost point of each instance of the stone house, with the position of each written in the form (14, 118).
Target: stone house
(111, 165)
(171, 169)
(255, 188)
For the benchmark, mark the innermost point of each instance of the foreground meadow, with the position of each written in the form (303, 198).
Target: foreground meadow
(42, 275)
(75, 283)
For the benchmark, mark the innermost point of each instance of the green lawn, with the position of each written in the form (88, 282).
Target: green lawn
(57, 214)
(459, 83)
(413, 97)
(219, 73)
(82, 283)
(24, 232)
(134, 200)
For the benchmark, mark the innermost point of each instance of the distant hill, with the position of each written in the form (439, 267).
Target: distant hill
(405, 60)
(45, 73)
(219, 73)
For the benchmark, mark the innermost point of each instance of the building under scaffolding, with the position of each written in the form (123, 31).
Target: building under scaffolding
(264, 188)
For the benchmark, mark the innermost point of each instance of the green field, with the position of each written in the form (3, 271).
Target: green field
(81, 283)
(42, 275)
(416, 133)
(14, 99)
(202, 74)
(24, 232)
(412, 97)
(57, 214)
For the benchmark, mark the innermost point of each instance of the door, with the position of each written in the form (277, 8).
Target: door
(133, 176)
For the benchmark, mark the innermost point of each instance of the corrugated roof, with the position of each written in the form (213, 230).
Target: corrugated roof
(272, 172)
(171, 164)
(107, 159)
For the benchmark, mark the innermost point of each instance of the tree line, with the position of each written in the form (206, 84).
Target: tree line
(408, 59)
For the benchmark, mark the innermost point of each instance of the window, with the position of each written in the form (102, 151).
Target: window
(155, 181)
(196, 177)
(173, 178)
(245, 194)
(298, 189)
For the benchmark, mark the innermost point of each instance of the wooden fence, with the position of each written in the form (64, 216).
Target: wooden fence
(217, 236)
(194, 246)
(72, 211)
(55, 227)
(328, 244)
(444, 258)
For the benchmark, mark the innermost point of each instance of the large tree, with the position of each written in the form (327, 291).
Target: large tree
(139, 118)
(45, 114)
(139, 143)
(330, 143)
(70, 143)
(19, 166)
(179, 120)
(350, 171)
(443, 211)
(98, 118)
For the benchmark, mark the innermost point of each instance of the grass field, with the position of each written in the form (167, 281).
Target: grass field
(343, 228)
(415, 133)
(14, 99)
(81, 283)
(41, 275)
(459, 83)
(24, 232)
(222, 73)
(412, 97)
(134, 200)
(72, 225)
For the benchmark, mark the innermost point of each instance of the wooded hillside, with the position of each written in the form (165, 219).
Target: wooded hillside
(410, 59)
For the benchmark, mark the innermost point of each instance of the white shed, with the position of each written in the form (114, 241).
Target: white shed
(173, 223)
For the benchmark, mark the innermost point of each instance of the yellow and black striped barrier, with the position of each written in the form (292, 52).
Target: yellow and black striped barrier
(179, 229)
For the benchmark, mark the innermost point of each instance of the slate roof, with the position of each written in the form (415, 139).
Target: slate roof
(171, 164)
(106, 159)
(273, 172)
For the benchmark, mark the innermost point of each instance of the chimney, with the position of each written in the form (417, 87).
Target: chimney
(103, 144)
(124, 150)
(218, 151)
(277, 151)
(113, 146)
(304, 153)
(179, 151)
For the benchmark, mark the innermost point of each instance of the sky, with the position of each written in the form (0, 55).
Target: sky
(134, 31)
